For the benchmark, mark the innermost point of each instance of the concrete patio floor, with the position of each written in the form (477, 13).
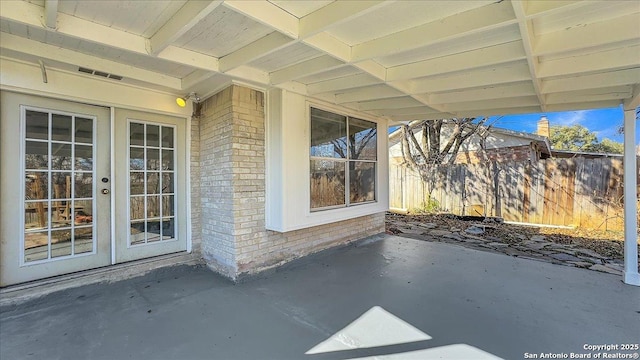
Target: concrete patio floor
(420, 300)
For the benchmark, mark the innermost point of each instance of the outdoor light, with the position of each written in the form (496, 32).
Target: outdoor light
(182, 101)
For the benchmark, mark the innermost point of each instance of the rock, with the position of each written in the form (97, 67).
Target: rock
(535, 245)
(498, 245)
(427, 225)
(605, 269)
(474, 230)
(591, 253)
(439, 232)
(564, 257)
(513, 252)
(581, 264)
(454, 229)
(538, 238)
(412, 231)
(590, 259)
(472, 241)
(520, 237)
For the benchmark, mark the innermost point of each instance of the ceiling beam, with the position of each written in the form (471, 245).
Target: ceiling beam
(330, 45)
(493, 104)
(608, 79)
(255, 50)
(69, 57)
(537, 8)
(526, 32)
(423, 116)
(30, 14)
(195, 78)
(335, 13)
(268, 14)
(584, 106)
(395, 103)
(342, 83)
(485, 93)
(406, 111)
(368, 93)
(493, 55)
(50, 13)
(305, 68)
(455, 26)
(620, 29)
(500, 111)
(191, 13)
(591, 95)
(472, 79)
(610, 60)
(634, 101)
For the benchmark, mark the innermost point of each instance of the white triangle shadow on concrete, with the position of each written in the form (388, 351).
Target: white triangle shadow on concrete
(448, 352)
(376, 327)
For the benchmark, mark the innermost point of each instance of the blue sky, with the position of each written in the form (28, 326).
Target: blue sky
(603, 122)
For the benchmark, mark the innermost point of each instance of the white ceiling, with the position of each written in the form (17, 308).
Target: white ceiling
(404, 60)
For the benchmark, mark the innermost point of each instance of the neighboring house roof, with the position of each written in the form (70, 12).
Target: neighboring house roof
(585, 154)
(541, 141)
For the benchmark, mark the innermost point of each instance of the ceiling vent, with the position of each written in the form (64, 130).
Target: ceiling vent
(99, 73)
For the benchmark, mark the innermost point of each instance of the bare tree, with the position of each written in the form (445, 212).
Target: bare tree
(434, 149)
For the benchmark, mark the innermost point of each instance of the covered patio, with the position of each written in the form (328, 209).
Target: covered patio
(384, 298)
(230, 177)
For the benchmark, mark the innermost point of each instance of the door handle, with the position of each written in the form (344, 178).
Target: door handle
(105, 191)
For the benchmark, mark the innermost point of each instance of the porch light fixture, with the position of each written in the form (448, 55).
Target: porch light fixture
(182, 101)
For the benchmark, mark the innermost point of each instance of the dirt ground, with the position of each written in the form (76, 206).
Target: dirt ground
(606, 243)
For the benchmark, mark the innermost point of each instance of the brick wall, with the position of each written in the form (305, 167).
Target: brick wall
(512, 153)
(231, 169)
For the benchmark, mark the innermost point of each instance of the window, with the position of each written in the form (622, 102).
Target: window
(343, 160)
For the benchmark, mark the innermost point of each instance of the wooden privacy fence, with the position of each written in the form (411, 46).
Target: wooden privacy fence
(578, 192)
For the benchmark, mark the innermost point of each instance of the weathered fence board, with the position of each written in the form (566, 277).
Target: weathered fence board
(578, 192)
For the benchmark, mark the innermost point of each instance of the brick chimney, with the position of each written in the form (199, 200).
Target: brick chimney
(543, 127)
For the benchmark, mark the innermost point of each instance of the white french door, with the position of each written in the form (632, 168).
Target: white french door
(150, 163)
(56, 188)
(55, 183)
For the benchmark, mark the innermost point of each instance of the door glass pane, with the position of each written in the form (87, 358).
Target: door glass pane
(167, 160)
(57, 222)
(137, 236)
(153, 230)
(60, 243)
(61, 185)
(136, 211)
(167, 137)
(84, 130)
(36, 185)
(36, 215)
(167, 182)
(61, 214)
(153, 183)
(36, 155)
(60, 127)
(84, 185)
(36, 246)
(153, 159)
(168, 206)
(168, 228)
(83, 212)
(153, 206)
(153, 135)
(82, 240)
(84, 157)
(60, 156)
(136, 183)
(37, 125)
(136, 132)
(136, 158)
(327, 183)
